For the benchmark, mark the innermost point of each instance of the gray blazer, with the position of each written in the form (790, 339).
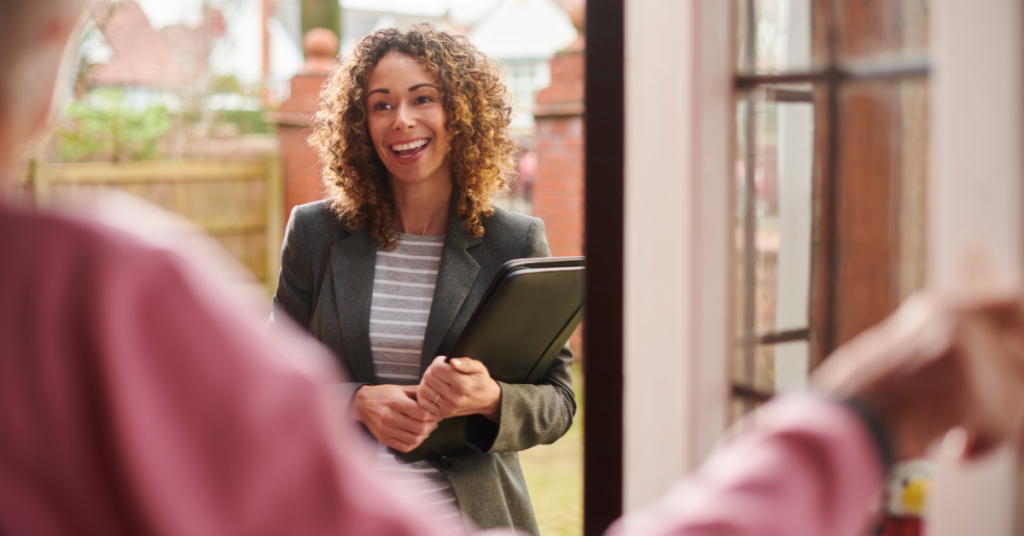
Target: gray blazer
(326, 285)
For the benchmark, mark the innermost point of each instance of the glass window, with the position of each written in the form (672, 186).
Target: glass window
(831, 179)
(782, 33)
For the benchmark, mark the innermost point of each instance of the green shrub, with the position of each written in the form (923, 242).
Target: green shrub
(248, 121)
(106, 124)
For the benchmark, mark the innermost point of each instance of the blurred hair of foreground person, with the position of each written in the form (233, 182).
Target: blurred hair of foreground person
(134, 400)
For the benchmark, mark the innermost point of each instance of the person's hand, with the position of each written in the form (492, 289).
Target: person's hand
(460, 387)
(936, 364)
(392, 415)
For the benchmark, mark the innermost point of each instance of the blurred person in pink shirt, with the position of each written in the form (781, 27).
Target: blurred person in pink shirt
(135, 399)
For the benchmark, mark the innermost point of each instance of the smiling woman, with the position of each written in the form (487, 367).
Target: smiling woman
(413, 132)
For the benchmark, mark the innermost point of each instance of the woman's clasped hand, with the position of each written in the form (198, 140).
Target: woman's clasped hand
(403, 416)
(459, 387)
(392, 414)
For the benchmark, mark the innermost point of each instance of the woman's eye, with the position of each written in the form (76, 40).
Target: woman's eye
(423, 99)
(381, 106)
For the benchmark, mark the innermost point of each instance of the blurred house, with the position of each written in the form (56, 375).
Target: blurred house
(524, 35)
(357, 23)
(360, 17)
(122, 49)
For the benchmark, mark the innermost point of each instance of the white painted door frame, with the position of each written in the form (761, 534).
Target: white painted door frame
(678, 238)
(976, 206)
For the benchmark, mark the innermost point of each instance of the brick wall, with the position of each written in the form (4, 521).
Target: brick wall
(301, 169)
(558, 186)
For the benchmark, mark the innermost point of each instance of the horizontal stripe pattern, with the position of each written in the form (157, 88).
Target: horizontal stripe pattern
(412, 257)
(407, 270)
(394, 350)
(400, 322)
(427, 486)
(384, 296)
(403, 290)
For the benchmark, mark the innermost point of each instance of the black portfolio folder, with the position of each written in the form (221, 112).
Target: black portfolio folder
(527, 314)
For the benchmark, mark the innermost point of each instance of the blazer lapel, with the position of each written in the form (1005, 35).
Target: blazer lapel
(455, 278)
(352, 266)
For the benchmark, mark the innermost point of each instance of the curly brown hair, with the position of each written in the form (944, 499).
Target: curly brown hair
(477, 104)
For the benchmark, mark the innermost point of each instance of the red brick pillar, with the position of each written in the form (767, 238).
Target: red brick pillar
(558, 186)
(301, 169)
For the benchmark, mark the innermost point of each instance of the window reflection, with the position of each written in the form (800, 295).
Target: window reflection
(783, 33)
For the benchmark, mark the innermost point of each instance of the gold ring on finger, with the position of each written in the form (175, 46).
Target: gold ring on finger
(436, 398)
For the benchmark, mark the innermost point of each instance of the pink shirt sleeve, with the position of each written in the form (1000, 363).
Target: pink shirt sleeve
(134, 400)
(809, 469)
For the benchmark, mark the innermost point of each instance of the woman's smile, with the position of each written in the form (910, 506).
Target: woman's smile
(409, 151)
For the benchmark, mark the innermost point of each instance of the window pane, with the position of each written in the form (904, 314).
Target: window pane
(790, 365)
(882, 29)
(782, 30)
(764, 368)
(778, 368)
(881, 205)
(773, 222)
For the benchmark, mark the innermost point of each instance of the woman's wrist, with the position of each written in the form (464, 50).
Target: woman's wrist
(492, 411)
(355, 407)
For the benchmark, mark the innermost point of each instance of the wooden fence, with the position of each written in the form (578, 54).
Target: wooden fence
(239, 203)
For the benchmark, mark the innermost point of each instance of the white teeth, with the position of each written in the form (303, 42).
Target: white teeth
(408, 146)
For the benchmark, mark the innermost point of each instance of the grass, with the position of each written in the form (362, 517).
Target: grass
(554, 476)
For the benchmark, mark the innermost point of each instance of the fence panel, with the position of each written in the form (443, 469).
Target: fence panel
(239, 203)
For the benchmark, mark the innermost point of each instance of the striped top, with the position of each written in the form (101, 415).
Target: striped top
(403, 290)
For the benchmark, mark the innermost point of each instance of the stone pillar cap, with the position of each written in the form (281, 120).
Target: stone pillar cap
(320, 46)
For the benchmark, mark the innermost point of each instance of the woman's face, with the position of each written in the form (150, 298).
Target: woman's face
(407, 121)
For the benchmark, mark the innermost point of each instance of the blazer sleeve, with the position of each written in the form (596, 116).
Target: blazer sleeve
(296, 285)
(293, 297)
(530, 414)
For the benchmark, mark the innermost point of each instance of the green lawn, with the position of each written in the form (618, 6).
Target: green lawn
(554, 475)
